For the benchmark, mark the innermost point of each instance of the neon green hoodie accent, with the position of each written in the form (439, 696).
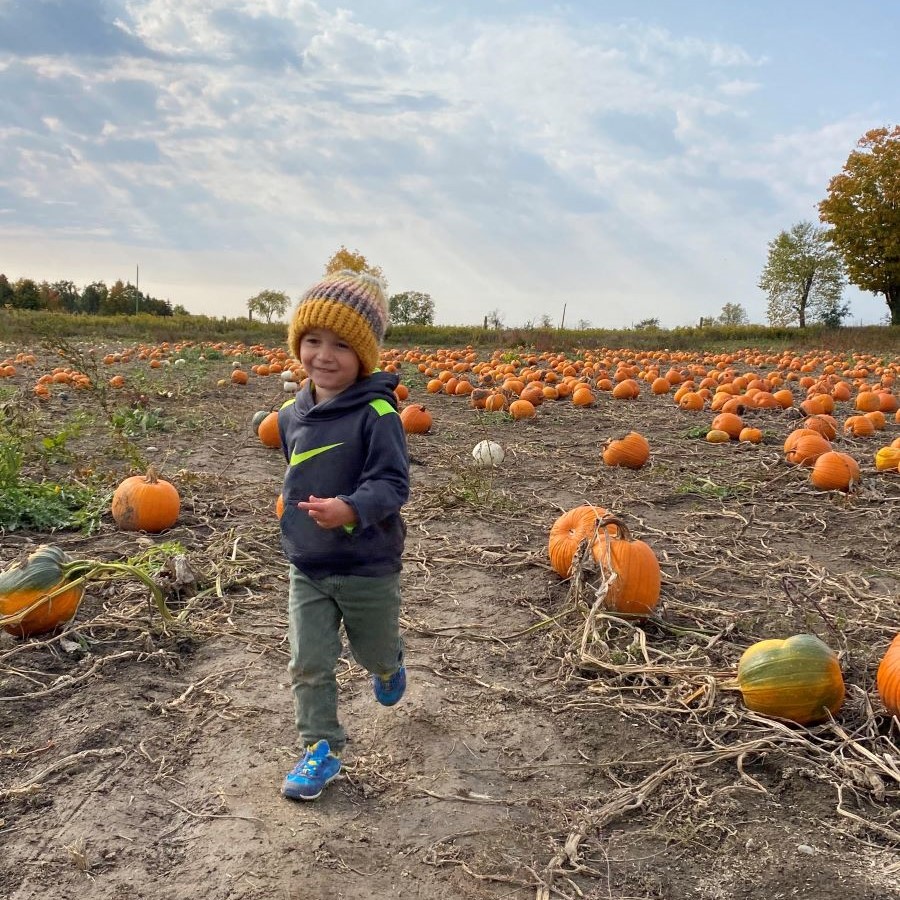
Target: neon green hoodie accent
(297, 458)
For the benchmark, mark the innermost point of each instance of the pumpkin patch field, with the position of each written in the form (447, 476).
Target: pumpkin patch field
(651, 607)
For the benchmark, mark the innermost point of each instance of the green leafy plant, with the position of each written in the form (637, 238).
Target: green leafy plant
(54, 448)
(137, 421)
(706, 487)
(43, 505)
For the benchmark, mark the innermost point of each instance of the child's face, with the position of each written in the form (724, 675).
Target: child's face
(330, 362)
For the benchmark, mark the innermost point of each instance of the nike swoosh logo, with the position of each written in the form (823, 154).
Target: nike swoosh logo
(297, 458)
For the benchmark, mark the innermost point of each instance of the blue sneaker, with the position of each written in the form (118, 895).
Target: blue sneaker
(317, 768)
(390, 688)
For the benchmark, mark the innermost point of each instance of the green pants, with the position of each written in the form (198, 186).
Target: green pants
(370, 610)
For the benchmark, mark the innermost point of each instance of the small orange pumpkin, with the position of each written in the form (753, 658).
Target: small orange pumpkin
(567, 533)
(522, 409)
(146, 503)
(636, 587)
(835, 471)
(416, 419)
(268, 430)
(631, 451)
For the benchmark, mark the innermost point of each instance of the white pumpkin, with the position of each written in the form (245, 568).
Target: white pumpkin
(488, 453)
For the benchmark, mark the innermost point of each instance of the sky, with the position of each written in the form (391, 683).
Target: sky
(606, 162)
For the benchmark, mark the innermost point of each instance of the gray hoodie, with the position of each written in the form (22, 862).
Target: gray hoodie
(352, 447)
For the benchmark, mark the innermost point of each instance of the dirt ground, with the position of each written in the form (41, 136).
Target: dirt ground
(541, 750)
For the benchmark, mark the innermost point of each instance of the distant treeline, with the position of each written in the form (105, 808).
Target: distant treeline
(95, 299)
(24, 325)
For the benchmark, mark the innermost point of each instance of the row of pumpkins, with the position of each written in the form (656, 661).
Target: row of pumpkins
(797, 678)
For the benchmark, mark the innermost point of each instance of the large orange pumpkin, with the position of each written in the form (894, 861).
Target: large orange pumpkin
(146, 503)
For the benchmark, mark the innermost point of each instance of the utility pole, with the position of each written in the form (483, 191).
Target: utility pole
(562, 321)
(137, 287)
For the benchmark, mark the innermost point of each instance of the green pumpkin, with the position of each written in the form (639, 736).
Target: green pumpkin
(257, 419)
(798, 678)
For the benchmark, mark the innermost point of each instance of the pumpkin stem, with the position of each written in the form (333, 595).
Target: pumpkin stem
(152, 476)
(624, 533)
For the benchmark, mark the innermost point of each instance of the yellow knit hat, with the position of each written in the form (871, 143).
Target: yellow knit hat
(353, 306)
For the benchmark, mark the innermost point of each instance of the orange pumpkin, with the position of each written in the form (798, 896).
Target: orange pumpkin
(522, 409)
(859, 426)
(835, 471)
(807, 448)
(636, 587)
(569, 530)
(145, 503)
(728, 422)
(631, 451)
(268, 430)
(691, 401)
(583, 396)
(888, 678)
(416, 419)
(495, 403)
(824, 424)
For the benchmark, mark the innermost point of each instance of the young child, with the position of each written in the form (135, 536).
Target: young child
(341, 530)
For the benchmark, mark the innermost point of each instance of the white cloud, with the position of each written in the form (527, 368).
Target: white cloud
(518, 162)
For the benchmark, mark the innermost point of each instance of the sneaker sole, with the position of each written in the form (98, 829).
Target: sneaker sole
(286, 791)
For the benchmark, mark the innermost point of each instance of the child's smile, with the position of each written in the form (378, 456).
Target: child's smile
(330, 362)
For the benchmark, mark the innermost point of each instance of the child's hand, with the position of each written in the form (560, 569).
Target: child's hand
(330, 512)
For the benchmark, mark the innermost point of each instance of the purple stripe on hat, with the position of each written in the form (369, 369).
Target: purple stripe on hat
(358, 296)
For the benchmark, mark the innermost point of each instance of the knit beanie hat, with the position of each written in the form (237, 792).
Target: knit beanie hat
(352, 305)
